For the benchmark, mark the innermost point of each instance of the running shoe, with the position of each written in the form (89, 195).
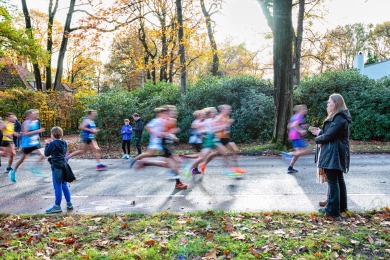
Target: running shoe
(101, 167)
(181, 186)
(12, 176)
(124, 156)
(286, 156)
(231, 174)
(195, 171)
(132, 161)
(171, 174)
(291, 170)
(238, 170)
(8, 169)
(37, 172)
(202, 167)
(69, 205)
(54, 209)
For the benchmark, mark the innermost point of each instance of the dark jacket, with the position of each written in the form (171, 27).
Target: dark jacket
(139, 127)
(334, 142)
(57, 150)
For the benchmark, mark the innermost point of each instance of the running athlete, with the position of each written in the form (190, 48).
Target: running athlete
(156, 129)
(211, 142)
(89, 129)
(8, 147)
(31, 141)
(297, 130)
(224, 136)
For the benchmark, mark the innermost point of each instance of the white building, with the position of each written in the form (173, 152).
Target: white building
(373, 71)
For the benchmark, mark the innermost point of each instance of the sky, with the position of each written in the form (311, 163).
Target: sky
(243, 21)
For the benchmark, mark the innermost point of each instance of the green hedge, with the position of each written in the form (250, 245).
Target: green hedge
(249, 97)
(367, 100)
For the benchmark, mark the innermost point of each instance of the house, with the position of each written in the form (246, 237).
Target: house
(373, 71)
(16, 75)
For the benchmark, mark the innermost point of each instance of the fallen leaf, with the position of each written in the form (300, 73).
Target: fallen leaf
(211, 255)
(69, 241)
(183, 241)
(150, 242)
(237, 236)
(254, 252)
(209, 237)
(370, 240)
(228, 227)
(317, 254)
(355, 242)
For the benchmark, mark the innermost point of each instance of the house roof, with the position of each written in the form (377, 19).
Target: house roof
(377, 63)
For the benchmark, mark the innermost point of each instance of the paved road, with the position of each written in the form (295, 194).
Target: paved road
(265, 187)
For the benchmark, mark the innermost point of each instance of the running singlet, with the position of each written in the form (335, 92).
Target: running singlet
(31, 140)
(8, 130)
(91, 125)
(157, 125)
(293, 133)
(226, 132)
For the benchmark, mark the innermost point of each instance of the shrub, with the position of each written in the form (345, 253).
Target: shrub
(364, 98)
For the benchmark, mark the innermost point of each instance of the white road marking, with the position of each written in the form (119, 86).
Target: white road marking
(76, 196)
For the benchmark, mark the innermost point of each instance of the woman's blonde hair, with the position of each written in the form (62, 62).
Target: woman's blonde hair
(339, 103)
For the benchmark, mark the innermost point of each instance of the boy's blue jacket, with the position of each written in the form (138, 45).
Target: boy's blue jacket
(57, 150)
(126, 132)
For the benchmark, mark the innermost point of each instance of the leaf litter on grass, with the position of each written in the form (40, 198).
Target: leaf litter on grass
(200, 235)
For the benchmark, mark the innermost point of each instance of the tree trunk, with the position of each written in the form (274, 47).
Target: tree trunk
(64, 43)
(182, 53)
(215, 63)
(298, 44)
(283, 88)
(37, 73)
(164, 47)
(49, 47)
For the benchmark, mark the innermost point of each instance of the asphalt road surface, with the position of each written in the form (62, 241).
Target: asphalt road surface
(266, 186)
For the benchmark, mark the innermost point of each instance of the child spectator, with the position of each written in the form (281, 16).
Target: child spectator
(126, 132)
(56, 148)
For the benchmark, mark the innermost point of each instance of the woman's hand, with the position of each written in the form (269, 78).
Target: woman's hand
(314, 130)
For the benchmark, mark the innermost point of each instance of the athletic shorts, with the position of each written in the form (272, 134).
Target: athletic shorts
(210, 142)
(197, 147)
(29, 150)
(225, 141)
(6, 143)
(87, 140)
(165, 143)
(299, 143)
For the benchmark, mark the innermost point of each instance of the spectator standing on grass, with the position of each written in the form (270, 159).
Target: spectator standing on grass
(335, 154)
(126, 132)
(138, 130)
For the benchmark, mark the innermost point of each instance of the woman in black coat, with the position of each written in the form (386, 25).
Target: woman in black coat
(335, 156)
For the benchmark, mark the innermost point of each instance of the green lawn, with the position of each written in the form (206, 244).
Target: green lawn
(202, 235)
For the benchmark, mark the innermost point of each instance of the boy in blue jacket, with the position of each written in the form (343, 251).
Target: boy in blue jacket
(126, 132)
(56, 148)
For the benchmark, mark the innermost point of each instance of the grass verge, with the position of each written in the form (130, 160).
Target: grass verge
(201, 235)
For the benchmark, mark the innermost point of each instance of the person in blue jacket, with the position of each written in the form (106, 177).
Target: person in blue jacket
(126, 132)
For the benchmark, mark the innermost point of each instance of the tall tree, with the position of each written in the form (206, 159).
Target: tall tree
(283, 87)
(64, 43)
(298, 44)
(210, 32)
(29, 29)
(51, 14)
(182, 51)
